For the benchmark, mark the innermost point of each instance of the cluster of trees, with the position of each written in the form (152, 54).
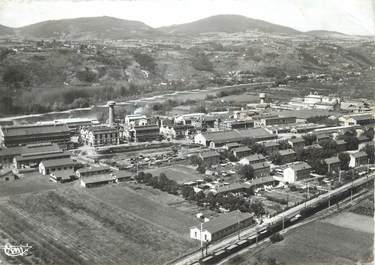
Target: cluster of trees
(227, 201)
(197, 161)
(247, 172)
(201, 62)
(309, 139)
(370, 151)
(314, 156)
(161, 182)
(350, 137)
(145, 61)
(226, 154)
(326, 120)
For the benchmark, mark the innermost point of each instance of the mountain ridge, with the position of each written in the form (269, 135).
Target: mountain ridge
(106, 27)
(227, 24)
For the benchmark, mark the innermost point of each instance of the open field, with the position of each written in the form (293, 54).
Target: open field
(32, 182)
(365, 207)
(242, 98)
(148, 206)
(352, 221)
(178, 173)
(71, 226)
(317, 243)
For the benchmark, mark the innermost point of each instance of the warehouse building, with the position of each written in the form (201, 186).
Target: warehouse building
(222, 226)
(46, 167)
(21, 135)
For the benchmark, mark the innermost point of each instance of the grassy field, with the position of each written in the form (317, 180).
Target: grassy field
(32, 182)
(100, 226)
(178, 173)
(150, 205)
(365, 207)
(327, 242)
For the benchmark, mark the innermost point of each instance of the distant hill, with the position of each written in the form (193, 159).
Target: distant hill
(227, 24)
(5, 31)
(88, 28)
(326, 34)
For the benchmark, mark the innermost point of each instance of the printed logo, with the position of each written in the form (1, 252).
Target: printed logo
(14, 251)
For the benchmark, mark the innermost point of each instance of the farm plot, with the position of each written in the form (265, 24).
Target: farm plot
(146, 208)
(315, 243)
(178, 173)
(70, 226)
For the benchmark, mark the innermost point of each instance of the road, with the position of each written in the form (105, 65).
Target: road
(253, 231)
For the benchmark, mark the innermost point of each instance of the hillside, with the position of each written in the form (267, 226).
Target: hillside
(326, 34)
(88, 28)
(228, 24)
(5, 31)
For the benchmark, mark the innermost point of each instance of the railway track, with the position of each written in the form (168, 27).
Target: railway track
(274, 223)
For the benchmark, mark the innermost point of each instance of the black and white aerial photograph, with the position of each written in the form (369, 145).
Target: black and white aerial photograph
(187, 132)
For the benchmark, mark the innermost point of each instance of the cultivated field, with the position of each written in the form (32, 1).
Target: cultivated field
(178, 173)
(76, 226)
(322, 242)
(150, 205)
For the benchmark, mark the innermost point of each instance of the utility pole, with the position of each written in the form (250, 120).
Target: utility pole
(351, 190)
(238, 228)
(329, 200)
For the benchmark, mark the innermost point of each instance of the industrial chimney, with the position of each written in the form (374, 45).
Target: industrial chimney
(262, 97)
(111, 112)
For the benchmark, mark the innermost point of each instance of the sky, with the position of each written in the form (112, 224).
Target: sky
(348, 16)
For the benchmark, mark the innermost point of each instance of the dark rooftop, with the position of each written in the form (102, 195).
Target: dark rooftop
(58, 162)
(286, 152)
(226, 220)
(300, 166)
(12, 131)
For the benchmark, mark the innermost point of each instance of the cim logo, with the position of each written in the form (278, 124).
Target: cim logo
(14, 251)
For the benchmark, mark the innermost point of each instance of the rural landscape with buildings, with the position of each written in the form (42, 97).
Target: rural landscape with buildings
(226, 140)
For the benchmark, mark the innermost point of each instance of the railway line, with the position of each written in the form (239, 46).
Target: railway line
(231, 244)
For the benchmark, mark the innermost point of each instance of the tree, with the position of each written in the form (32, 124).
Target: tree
(15, 77)
(344, 161)
(284, 145)
(369, 133)
(247, 172)
(276, 159)
(201, 168)
(200, 197)
(309, 138)
(195, 160)
(188, 193)
(350, 137)
(277, 237)
(257, 208)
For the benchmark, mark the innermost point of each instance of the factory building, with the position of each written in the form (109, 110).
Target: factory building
(100, 135)
(19, 135)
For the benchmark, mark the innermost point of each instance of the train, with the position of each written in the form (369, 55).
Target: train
(275, 227)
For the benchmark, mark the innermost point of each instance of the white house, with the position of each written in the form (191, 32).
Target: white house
(135, 120)
(296, 171)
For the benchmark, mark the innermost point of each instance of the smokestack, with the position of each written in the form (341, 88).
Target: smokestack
(111, 112)
(262, 97)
